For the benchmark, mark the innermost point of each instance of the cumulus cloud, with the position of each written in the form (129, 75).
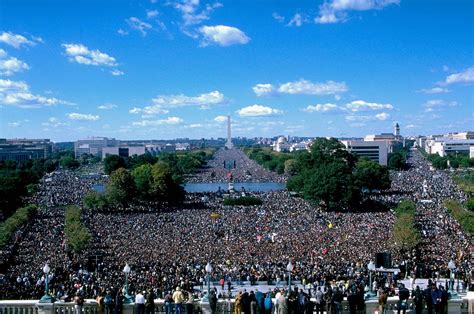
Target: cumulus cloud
(138, 25)
(361, 105)
(466, 76)
(438, 104)
(309, 88)
(192, 13)
(324, 108)
(11, 65)
(16, 40)
(149, 110)
(220, 119)
(264, 90)
(151, 14)
(82, 117)
(18, 94)
(206, 99)
(83, 55)
(222, 35)
(366, 118)
(278, 17)
(53, 122)
(296, 20)
(107, 107)
(258, 111)
(382, 116)
(167, 121)
(334, 11)
(116, 72)
(435, 90)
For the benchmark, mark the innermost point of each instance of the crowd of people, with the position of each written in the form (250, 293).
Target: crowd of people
(166, 249)
(235, 162)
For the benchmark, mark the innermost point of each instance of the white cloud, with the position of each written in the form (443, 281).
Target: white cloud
(15, 40)
(194, 126)
(107, 106)
(309, 88)
(149, 110)
(17, 94)
(151, 14)
(53, 122)
(360, 105)
(258, 111)
(324, 108)
(382, 116)
(297, 20)
(435, 90)
(122, 32)
(264, 90)
(220, 119)
(206, 99)
(466, 76)
(334, 11)
(438, 104)
(83, 55)
(116, 72)
(11, 65)
(191, 13)
(167, 121)
(138, 25)
(82, 117)
(278, 17)
(222, 35)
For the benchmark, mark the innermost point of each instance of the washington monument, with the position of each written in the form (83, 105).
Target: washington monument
(228, 144)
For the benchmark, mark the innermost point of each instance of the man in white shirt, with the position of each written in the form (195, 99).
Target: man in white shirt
(140, 302)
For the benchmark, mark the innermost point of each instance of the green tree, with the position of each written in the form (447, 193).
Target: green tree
(397, 161)
(77, 235)
(371, 176)
(121, 187)
(112, 163)
(143, 177)
(290, 167)
(69, 162)
(94, 200)
(164, 186)
(405, 235)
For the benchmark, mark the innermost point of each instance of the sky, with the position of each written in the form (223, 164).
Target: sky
(165, 69)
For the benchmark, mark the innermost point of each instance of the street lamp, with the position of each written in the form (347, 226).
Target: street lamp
(451, 267)
(208, 269)
(371, 268)
(128, 299)
(289, 268)
(46, 298)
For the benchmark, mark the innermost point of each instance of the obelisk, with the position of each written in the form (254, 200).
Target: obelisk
(229, 136)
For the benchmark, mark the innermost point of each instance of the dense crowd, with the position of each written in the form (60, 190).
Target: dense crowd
(235, 162)
(170, 248)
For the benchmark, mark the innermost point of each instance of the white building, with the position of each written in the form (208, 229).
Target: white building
(373, 150)
(445, 146)
(93, 146)
(281, 145)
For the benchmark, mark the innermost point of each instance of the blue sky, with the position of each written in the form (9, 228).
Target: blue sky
(163, 69)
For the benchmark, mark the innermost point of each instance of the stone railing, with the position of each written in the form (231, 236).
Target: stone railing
(457, 306)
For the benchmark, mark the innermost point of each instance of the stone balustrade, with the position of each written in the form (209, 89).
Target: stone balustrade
(456, 306)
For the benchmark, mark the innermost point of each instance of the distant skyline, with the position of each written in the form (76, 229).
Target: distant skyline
(164, 69)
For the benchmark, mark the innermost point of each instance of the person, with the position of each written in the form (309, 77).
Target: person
(382, 301)
(150, 302)
(418, 300)
(352, 300)
(178, 299)
(403, 295)
(78, 303)
(222, 282)
(189, 303)
(253, 303)
(238, 303)
(213, 302)
(100, 303)
(118, 302)
(259, 296)
(337, 298)
(268, 303)
(245, 302)
(436, 297)
(109, 302)
(319, 299)
(140, 303)
(443, 305)
(168, 301)
(428, 299)
(282, 304)
(229, 286)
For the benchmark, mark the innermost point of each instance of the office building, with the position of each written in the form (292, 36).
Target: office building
(24, 149)
(373, 150)
(93, 146)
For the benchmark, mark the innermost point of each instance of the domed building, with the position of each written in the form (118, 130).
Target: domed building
(281, 145)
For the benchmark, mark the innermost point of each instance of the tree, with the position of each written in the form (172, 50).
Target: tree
(371, 176)
(94, 200)
(290, 167)
(77, 235)
(112, 163)
(397, 161)
(164, 186)
(143, 177)
(121, 187)
(69, 162)
(405, 234)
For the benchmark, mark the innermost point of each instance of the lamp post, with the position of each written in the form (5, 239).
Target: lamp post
(46, 298)
(371, 268)
(451, 267)
(208, 269)
(127, 298)
(289, 268)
